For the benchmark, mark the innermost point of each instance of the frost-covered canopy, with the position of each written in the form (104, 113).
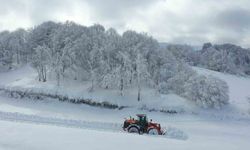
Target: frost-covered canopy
(103, 57)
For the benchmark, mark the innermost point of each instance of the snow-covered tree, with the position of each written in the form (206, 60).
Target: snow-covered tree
(141, 73)
(181, 52)
(177, 82)
(224, 58)
(40, 62)
(42, 35)
(18, 46)
(97, 36)
(13, 48)
(63, 40)
(112, 61)
(5, 59)
(121, 73)
(81, 49)
(139, 47)
(207, 92)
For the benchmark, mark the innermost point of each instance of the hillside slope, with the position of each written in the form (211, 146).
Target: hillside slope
(239, 88)
(25, 79)
(49, 124)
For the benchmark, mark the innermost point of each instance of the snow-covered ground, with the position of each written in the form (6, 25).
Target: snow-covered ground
(56, 125)
(49, 124)
(22, 136)
(25, 78)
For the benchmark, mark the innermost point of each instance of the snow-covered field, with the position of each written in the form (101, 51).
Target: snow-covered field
(22, 136)
(48, 124)
(25, 79)
(56, 125)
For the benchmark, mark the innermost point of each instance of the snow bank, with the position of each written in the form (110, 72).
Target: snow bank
(19, 117)
(171, 132)
(175, 133)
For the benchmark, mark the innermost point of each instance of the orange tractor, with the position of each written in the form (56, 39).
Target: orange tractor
(141, 125)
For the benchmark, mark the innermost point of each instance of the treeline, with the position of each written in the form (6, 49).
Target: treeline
(107, 60)
(227, 58)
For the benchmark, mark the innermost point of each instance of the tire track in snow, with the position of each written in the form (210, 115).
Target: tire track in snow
(172, 133)
(34, 119)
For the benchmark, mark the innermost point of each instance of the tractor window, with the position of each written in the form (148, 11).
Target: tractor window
(142, 118)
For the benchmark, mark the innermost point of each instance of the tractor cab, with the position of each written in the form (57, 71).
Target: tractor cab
(142, 121)
(142, 118)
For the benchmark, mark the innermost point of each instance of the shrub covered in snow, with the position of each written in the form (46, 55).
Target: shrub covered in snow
(33, 95)
(207, 91)
(181, 77)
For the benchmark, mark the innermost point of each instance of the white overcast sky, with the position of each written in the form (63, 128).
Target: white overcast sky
(177, 21)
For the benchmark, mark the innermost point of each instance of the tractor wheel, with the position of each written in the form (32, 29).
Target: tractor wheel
(153, 131)
(133, 129)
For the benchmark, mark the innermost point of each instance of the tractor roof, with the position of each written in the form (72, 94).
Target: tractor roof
(141, 115)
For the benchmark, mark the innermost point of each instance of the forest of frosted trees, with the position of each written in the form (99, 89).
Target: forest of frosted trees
(108, 60)
(227, 58)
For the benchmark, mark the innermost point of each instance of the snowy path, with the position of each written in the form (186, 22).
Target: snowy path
(19, 117)
(98, 126)
(23, 135)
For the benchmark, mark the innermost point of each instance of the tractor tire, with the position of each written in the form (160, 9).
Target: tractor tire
(153, 131)
(133, 129)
